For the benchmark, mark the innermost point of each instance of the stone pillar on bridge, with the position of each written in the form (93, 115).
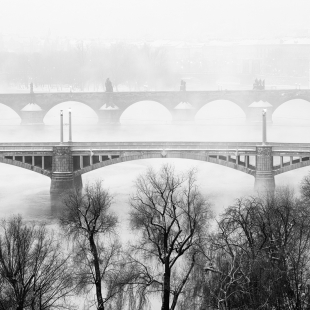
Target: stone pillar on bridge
(254, 110)
(32, 114)
(62, 171)
(109, 113)
(264, 177)
(183, 112)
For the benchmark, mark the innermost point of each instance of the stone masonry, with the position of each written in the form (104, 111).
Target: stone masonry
(62, 171)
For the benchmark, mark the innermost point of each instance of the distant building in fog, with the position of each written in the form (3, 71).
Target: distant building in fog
(237, 64)
(213, 64)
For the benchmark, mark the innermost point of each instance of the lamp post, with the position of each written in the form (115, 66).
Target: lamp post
(264, 127)
(61, 127)
(70, 126)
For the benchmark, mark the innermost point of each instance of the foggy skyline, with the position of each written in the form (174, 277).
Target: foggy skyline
(154, 20)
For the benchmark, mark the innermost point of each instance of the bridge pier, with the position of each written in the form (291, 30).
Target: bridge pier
(62, 182)
(31, 114)
(184, 114)
(32, 117)
(264, 177)
(254, 114)
(110, 115)
(62, 171)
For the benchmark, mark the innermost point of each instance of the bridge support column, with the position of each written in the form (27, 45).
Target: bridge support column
(32, 117)
(183, 115)
(109, 117)
(264, 177)
(31, 114)
(109, 113)
(62, 171)
(254, 114)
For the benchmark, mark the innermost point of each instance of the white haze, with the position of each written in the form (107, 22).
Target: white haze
(153, 19)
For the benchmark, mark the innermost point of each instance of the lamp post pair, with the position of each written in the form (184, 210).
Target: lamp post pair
(62, 125)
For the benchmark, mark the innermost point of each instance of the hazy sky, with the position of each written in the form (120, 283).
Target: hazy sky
(152, 19)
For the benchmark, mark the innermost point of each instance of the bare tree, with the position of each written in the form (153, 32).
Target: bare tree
(33, 271)
(260, 255)
(88, 220)
(170, 215)
(6, 298)
(305, 188)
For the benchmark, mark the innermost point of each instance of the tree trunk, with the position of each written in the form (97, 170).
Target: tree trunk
(166, 294)
(93, 249)
(20, 305)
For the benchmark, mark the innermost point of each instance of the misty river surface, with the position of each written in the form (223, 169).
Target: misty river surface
(27, 193)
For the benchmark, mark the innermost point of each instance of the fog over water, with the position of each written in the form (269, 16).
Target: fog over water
(27, 193)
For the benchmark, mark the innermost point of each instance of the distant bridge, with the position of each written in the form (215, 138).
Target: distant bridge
(65, 163)
(110, 106)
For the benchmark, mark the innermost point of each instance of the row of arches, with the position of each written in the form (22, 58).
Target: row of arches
(151, 111)
(224, 173)
(220, 184)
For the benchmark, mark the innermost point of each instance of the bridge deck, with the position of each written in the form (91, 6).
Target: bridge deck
(83, 157)
(157, 145)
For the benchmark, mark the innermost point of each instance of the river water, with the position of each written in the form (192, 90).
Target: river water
(27, 193)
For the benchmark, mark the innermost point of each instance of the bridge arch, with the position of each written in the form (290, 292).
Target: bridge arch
(292, 167)
(146, 111)
(81, 111)
(293, 110)
(8, 115)
(220, 110)
(200, 157)
(25, 166)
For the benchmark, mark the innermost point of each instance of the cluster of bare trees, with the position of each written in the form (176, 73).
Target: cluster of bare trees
(170, 217)
(35, 273)
(256, 255)
(85, 66)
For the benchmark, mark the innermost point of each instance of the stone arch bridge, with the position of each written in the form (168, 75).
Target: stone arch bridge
(65, 163)
(109, 107)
